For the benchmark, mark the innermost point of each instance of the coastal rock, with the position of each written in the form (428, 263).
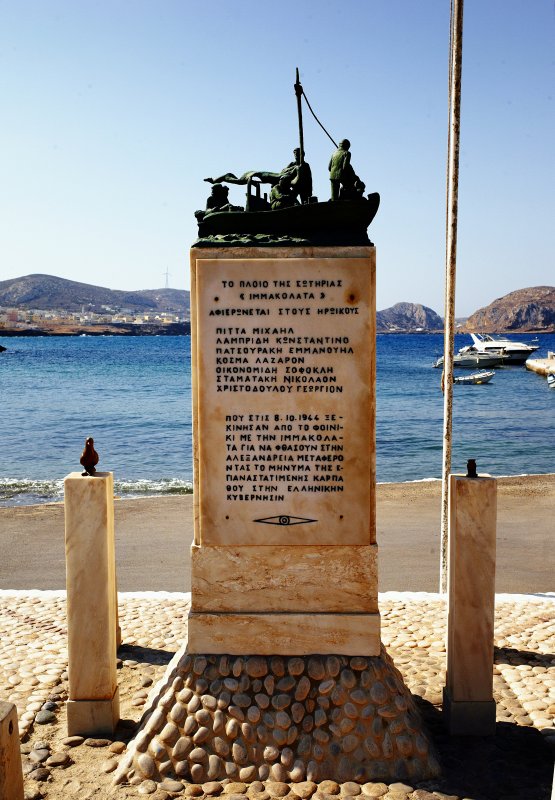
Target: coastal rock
(408, 318)
(531, 309)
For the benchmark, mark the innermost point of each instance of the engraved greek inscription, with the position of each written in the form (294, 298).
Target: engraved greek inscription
(286, 377)
(231, 312)
(347, 310)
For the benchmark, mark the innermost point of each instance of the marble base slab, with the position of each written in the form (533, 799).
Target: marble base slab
(93, 717)
(11, 776)
(301, 579)
(469, 717)
(286, 634)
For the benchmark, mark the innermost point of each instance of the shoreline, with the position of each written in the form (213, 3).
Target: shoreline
(153, 537)
(505, 479)
(184, 329)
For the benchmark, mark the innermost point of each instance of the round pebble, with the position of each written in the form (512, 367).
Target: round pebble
(39, 754)
(171, 786)
(40, 774)
(147, 787)
(58, 760)
(45, 717)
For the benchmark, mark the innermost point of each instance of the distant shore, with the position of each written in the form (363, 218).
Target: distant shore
(184, 329)
(153, 537)
(112, 329)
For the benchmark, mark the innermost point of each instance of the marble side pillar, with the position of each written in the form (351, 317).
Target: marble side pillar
(93, 705)
(11, 776)
(468, 694)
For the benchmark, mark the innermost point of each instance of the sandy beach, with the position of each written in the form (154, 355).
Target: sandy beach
(153, 536)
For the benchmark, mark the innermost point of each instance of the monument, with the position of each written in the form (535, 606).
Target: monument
(284, 418)
(283, 677)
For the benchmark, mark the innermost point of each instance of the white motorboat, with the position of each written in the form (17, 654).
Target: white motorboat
(517, 352)
(484, 376)
(470, 358)
(551, 380)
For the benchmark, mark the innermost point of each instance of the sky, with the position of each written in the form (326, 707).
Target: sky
(114, 111)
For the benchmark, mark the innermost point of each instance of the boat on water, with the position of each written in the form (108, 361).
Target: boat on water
(475, 379)
(470, 358)
(516, 352)
(551, 380)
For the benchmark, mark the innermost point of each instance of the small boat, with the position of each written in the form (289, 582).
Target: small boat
(484, 376)
(470, 358)
(551, 380)
(517, 352)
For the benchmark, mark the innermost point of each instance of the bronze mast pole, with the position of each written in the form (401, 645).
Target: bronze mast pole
(299, 93)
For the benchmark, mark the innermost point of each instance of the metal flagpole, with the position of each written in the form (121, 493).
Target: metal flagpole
(455, 73)
(299, 93)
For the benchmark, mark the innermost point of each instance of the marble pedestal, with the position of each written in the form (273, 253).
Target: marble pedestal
(11, 776)
(93, 707)
(283, 352)
(468, 694)
(283, 677)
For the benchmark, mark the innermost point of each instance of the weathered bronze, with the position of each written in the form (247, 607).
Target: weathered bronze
(471, 468)
(301, 176)
(345, 183)
(89, 457)
(281, 218)
(282, 194)
(218, 199)
(339, 161)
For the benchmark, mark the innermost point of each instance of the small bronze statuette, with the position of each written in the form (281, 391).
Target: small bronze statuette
(471, 468)
(282, 194)
(218, 200)
(301, 176)
(89, 457)
(345, 183)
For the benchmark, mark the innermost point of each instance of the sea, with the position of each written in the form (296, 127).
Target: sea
(133, 395)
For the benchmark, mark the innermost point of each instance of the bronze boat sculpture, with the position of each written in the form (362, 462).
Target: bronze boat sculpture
(291, 214)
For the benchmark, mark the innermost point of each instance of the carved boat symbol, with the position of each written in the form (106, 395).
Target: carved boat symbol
(284, 519)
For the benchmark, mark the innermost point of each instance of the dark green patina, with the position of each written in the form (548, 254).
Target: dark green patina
(290, 214)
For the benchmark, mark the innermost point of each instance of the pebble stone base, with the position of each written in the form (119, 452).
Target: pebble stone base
(282, 719)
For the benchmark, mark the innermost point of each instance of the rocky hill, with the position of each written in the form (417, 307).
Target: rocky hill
(408, 317)
(49, 293)
(530, 309)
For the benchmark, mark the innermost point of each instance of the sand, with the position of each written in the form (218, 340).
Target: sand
(153, 536)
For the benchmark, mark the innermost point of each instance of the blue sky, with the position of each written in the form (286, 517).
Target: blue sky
(114, 112)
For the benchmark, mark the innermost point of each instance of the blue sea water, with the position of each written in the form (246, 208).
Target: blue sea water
(133, 394)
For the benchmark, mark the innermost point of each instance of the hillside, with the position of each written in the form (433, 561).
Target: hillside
(531, 309)
(405, 317)
(49, 293)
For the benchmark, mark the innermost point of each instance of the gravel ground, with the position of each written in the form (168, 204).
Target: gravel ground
(516, 763)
